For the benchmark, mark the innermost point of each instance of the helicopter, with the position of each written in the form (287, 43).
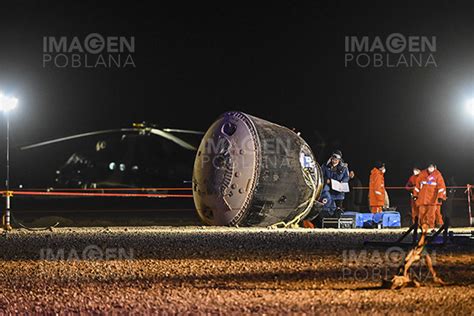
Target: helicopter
(140, 156)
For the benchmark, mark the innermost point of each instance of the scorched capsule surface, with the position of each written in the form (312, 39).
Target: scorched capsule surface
(251, 172)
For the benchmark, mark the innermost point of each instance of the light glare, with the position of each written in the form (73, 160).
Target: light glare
(470, 106)
(7, 103)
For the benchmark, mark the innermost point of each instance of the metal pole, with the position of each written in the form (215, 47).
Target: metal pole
(7, 182)
(6, 223)
(469, 192)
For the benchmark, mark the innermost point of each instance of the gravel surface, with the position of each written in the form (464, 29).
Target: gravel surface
(221, 270)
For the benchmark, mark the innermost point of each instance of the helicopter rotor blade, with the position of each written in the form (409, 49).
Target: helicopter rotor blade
(184, 131)
(153, 131)
(172, 138)
(62, 139)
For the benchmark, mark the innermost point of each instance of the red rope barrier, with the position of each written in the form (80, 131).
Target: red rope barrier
(403, 188)
(105, 189)
(167, 189)
(81, 194)
(92, 192)
(95, 192)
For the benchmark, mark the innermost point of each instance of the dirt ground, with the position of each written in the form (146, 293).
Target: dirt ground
(223, 270)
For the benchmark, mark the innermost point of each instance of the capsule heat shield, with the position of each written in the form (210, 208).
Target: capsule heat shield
(251, 172)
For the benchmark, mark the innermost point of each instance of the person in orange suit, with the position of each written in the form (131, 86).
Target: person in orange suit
(438, 216)
(377, 187)
(429, 193)
(410, 186)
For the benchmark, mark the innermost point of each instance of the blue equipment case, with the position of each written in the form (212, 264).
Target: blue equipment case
(387, 219)
(391, 219)
(359, 218)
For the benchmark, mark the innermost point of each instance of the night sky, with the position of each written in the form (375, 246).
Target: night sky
(281, 62)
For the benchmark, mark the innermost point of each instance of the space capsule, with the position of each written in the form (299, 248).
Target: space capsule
(251, 172)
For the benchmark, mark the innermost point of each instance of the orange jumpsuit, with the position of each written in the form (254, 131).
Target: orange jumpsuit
(429, 189)
(410, 186)
(376, 190)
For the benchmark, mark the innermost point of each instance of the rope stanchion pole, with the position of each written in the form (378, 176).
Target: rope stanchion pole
(469, 207)
(6, 218)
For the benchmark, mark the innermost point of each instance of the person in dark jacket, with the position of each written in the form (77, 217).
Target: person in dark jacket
(337, 170)
(353, 199)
